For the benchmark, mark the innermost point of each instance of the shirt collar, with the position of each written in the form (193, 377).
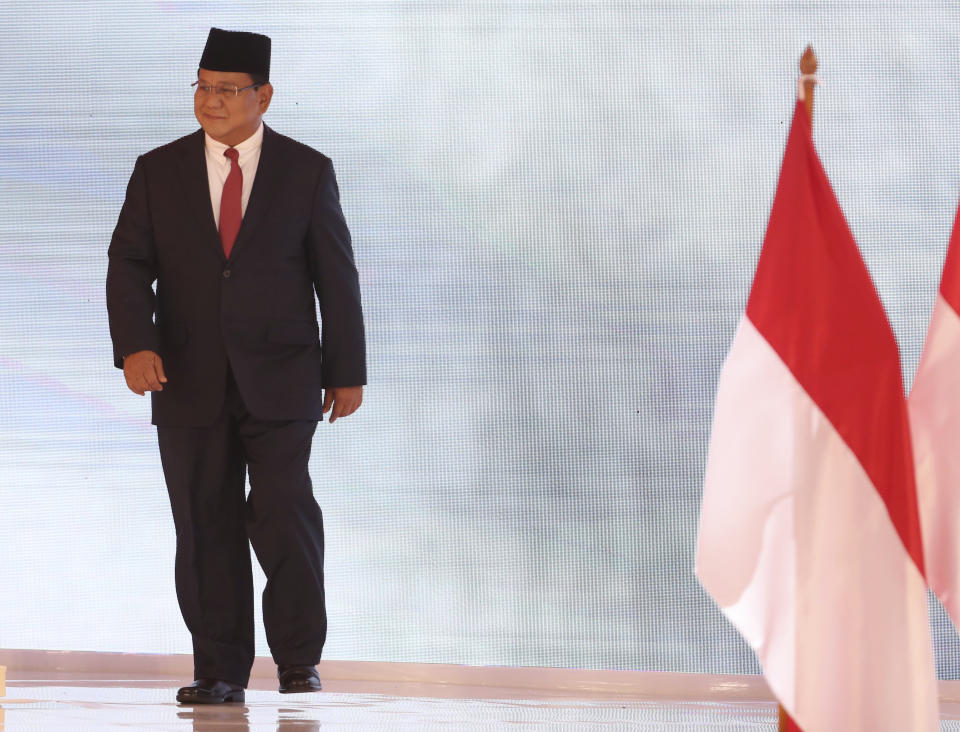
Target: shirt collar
(252, 143)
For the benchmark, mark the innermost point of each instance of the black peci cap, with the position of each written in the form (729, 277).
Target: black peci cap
(240, 51)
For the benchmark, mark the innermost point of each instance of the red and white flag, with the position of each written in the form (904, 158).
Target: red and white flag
(934, 406)
(809, 533)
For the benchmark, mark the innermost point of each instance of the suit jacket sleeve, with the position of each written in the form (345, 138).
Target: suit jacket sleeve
(337, 286)
(131, 272)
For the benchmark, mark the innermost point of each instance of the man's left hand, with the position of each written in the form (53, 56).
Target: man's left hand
(345, 400)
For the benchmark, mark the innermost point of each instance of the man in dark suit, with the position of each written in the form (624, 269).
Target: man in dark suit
(240, 228)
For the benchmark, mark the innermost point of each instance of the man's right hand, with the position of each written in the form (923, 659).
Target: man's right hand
(143, 371)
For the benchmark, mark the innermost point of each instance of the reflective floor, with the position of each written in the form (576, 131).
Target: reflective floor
(147, 704)
(77, 703)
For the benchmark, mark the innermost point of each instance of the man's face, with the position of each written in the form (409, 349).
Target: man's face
(227, 118)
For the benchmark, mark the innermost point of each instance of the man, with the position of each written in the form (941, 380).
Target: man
(239, 227)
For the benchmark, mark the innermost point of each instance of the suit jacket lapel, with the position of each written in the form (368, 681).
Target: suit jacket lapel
(262, 193)
(196, 188)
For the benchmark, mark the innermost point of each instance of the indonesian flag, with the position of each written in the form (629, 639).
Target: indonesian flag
(935, 418)
(809, 534)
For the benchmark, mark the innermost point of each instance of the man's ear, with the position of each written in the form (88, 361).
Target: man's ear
(264, 95)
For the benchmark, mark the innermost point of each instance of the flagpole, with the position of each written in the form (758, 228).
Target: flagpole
(805, 87)
(783, 720)
(808, 79)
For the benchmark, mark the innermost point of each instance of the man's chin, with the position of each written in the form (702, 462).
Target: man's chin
(216, 131)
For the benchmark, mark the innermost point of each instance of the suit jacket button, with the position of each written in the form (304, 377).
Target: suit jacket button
(226, 274)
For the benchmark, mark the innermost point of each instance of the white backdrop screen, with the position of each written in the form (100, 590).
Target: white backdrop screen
(556, 208)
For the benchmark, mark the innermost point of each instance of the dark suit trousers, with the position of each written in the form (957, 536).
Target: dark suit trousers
(205, 470)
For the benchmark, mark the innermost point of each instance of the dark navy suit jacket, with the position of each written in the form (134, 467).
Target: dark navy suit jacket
(255, 310)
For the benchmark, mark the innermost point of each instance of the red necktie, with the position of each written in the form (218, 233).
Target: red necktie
(230, 211)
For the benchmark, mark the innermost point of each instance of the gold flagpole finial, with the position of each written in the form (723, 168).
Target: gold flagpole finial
(808, 79)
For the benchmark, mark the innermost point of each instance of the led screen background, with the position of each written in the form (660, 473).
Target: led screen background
(556, 210)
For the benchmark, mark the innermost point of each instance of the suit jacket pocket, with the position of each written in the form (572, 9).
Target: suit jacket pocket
(293, 332)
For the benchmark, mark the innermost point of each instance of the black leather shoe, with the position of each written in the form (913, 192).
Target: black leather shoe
(298, 679)
(210, 691)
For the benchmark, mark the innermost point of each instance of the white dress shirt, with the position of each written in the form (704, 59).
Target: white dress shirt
(218, 166)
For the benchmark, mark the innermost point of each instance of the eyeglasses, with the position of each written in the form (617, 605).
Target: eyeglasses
(224, 90)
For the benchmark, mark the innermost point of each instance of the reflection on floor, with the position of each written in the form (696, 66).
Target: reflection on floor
(79, 702)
